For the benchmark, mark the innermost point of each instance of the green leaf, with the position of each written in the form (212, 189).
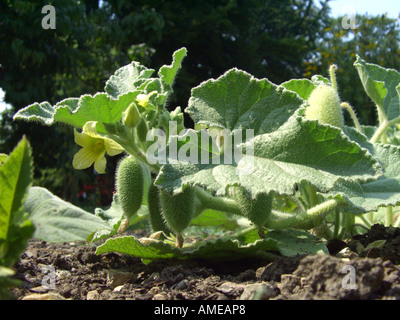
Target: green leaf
(238, 100)
(382, 86)
(76, 112)
(383, 192)
(286, 242)
(15, 179)
(126, 79)
(297, 242)
(168, 73)
(215, 218)
(3, 158)
(217, 249)
(59, 221)
(113, 217)
(303, 87)
(300, 150)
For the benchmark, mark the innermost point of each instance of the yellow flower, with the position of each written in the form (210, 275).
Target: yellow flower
(94, 147)
(143, 99)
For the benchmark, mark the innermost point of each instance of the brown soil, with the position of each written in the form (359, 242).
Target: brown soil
(74, 271)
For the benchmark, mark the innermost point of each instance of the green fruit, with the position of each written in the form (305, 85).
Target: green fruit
(130, 185)
(154, 204)
(324, 105)
(178, 209)
(256, 210)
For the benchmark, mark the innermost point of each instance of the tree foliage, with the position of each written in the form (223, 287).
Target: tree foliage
(375, 39)
(92, 39)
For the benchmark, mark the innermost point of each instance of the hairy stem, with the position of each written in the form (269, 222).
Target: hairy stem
(303, 220)
(216, 203)
(350, 110)
(332, 74)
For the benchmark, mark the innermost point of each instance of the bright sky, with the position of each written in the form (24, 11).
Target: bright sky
(338, 8)
(372, 7)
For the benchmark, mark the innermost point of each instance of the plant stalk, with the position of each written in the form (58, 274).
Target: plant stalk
(350, 110)
(332, 74)
(389, 216)
(216, 203)
(303, 220)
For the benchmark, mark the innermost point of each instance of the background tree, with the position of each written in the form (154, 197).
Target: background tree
(266, 38)
(376, 39)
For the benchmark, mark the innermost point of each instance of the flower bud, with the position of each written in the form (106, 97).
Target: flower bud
(131, 116)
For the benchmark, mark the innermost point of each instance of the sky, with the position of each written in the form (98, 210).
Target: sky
(372, 7)
(338, 8)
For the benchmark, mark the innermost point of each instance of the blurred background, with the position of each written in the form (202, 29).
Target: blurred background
(274, 39)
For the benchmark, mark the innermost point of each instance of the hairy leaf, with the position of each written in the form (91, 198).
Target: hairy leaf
(238, 100)
(76, 112)
(127, 79)
(59, 221)
(285, 242)
(382, 86)
(383, 192)
(300, 150)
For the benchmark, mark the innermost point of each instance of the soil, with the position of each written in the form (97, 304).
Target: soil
(73, 271)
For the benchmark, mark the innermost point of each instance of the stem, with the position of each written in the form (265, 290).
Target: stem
(216, 203)
(303, 220)
(348, 107)
(310, 194)
(337, 224)
(370, 217)
(397, 223)
(384, 124)
(365, 219)
(381, 130)
(332, 74)
(389, 216)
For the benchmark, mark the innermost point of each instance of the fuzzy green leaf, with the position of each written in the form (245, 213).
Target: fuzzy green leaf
(300, 150)
(382, 86)
(212, 249)
(238, 100)
(168, 73)
(383, 192)
(303, 87)
(285, 242)
(76, 112)
(126, 79)
(59, 221)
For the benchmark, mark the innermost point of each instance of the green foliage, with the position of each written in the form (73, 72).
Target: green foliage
(293, 173)
(15, 227)
(235, 246)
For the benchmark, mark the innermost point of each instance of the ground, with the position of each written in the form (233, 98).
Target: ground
(73, 271)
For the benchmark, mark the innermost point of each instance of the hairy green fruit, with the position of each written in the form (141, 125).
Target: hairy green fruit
(256, 210)
(324, 105)
(130, 185)
(154, 204)
(178, 210)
